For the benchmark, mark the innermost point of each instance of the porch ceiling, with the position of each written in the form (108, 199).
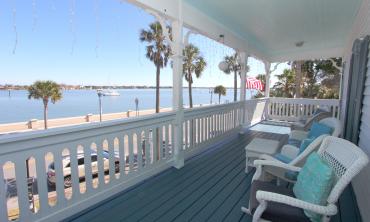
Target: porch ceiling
(273, 27)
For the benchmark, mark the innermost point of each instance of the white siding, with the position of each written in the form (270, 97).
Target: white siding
(362, 182)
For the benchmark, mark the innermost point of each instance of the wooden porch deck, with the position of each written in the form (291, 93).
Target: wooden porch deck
(210, 187)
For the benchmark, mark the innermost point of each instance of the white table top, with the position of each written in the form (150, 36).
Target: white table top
(260, 145)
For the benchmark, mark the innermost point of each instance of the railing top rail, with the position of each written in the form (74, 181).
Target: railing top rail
(211, 107)
(17, 142)
(302, 99)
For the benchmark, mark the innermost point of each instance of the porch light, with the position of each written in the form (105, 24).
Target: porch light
(223, 66)
(299, 44)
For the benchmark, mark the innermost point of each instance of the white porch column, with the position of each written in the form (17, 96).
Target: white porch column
(243, 77)
(268, 73)
(177, 99)
(243, 74)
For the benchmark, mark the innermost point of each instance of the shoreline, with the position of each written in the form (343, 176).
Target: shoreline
(36, 124)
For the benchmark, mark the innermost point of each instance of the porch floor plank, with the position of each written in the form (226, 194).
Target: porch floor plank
(210, 187)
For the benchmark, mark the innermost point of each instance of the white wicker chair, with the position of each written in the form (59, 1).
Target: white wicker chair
(297, 161)
(300, 135)
(308, 123)
(345, 158)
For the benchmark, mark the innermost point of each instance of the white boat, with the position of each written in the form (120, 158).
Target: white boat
(109, 92)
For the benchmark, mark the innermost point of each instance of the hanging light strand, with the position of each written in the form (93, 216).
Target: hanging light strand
(53, 7)
(34, 15)
(72, 24)
(97, 27)
(14, 15)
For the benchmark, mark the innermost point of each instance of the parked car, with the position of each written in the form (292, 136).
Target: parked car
(81, 167)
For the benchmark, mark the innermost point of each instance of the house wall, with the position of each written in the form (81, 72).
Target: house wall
(361, 183)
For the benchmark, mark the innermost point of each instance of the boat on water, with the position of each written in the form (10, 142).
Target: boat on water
(108, 92)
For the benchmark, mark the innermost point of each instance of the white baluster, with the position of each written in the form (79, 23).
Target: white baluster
(42, 187)
(74, 172)
(166, 136)
(130, 153)
(139, 145)
(3, 198)
(112, 164)
(122, 157)
(22, 187)
(101, 170)
(87, 165)
(59, 177)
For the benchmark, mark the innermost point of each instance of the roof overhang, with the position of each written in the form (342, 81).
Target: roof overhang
(268, 29)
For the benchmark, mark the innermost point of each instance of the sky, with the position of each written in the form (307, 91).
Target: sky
(91, 42)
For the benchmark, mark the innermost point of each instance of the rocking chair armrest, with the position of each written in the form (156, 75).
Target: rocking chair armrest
(298, 135)
(277, 164)
(290, 151)
(267, 157)
(328, 210)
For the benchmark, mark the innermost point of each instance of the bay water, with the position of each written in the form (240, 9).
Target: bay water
(18, 108)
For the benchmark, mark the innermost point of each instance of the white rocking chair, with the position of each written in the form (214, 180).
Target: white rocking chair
(332, 122)
(346, 160)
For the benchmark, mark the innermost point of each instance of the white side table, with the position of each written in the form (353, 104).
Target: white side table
(257, 147)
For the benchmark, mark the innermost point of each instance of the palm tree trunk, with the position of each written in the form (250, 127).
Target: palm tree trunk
(219, 98)
(298, 78)
(45, 114)
(235, 85)
(157, 89)
(190, 92)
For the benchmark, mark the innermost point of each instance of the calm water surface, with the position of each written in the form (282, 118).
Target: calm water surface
(18, 107)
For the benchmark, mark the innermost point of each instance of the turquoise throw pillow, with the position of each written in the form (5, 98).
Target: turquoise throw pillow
(314, 183)
(305, 143)
(318, 129)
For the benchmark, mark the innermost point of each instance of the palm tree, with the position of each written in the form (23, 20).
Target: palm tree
(45, 90)
(193, 63)
(233, 66)
(221, 91)
(157, 51)
(285, 86)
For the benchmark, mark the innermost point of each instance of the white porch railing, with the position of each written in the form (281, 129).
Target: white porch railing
(203, 126)
(132, 157)
(127, 152)
(289, 109)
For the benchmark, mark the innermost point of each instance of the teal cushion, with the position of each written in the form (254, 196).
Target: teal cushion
(305, 143)
(282, 158)
(318, 129)
(314, 183)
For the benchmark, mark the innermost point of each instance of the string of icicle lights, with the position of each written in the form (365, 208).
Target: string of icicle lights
(72, 13)
(97, 27)
(34, 15)
(14, 18)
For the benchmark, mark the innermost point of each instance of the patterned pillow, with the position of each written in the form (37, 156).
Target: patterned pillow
(314, 183)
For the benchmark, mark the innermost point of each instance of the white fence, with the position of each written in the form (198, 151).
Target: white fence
(76, 167)
(290, 109)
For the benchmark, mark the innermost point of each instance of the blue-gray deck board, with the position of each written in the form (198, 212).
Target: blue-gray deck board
(210, 187)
